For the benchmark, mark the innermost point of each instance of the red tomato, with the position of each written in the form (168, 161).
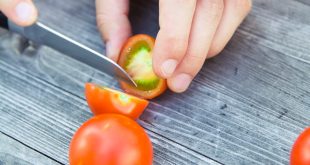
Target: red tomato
(136, 59)
(104, 100)
(110, 139)
(300, 154)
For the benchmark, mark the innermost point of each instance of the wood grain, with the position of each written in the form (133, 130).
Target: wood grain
(246, 106)
(14, 152)
(45, 116)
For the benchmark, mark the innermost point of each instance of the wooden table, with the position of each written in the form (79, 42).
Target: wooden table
(246, 106)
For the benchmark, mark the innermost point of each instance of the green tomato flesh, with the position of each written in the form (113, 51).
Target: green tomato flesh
(139, 66)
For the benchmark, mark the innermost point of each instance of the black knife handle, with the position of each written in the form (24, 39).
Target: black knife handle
(3, 21)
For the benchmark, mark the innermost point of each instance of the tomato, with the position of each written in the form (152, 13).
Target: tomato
(110, 139)
(300, 154)
(136, 59)
(104, 100)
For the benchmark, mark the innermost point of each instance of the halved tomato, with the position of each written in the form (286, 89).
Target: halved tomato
(104, 100)
(136, 59)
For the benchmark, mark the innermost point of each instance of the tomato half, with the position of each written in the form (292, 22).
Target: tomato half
(110, 139)
(300, 153)
(136, 59)
(104, 100)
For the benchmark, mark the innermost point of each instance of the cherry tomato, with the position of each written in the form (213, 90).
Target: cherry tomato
(110, 139)
(104, 100)
(136, 59)
(300, 154)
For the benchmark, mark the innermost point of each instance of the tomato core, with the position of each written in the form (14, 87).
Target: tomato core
(139, 66)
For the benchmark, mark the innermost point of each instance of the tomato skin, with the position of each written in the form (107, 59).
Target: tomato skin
(144, 94)
(104, 100)
(110, 139)
(135, 41)
(300, 153)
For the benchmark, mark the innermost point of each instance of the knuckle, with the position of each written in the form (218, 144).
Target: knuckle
(100, 20)
(178, 45)
(193, 63)
(194, 58)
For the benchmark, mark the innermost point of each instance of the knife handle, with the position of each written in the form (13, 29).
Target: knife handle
(3, 21)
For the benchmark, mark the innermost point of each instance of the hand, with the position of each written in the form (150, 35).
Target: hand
(21, 12)
(190, 32)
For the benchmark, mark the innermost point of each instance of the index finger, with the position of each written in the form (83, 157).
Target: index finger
(21, 12)
(175, 19)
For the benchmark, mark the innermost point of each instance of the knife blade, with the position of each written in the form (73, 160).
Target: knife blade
(42, 34)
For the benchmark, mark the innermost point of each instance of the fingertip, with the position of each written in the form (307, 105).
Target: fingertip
(169, 50)
(164, 69)
(179, 83)
(166, 58)
(34, 15)
(25, 13)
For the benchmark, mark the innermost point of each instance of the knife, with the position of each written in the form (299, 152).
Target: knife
(42, 34)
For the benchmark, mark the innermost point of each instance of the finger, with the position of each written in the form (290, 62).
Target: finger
(175, 19)
(234, 13)
(113, 24)
(21, 12)
(206, 20)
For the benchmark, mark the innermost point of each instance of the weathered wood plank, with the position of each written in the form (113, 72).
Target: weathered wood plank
(246, 106)
(14, 152)
(45, 116)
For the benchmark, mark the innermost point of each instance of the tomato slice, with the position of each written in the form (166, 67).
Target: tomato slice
(136, 59)
(110, 139)
(104, 100)
(300, 153)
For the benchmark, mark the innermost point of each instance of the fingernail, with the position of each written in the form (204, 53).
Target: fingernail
(23, 11)
(181, 82)
(111, 51)
(168, 67)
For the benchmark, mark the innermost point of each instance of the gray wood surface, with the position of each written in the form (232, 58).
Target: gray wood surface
(246, 106)
(15, 152)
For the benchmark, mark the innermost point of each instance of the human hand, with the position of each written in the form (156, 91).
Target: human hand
(190, 32)
(21, 12)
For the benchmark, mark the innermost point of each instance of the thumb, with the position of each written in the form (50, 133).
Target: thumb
(21, 12)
